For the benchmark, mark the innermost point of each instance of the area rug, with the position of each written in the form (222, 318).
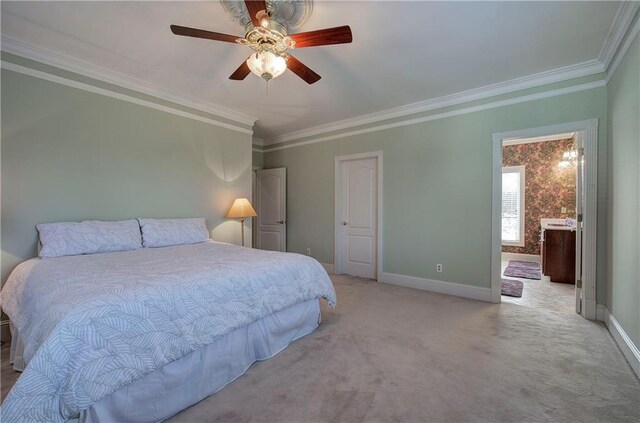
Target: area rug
(512, 288)
(523, 269)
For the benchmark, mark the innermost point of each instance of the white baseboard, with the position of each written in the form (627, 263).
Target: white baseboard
(629, 349)
(523, 257)
(451, 288)
(328, 267)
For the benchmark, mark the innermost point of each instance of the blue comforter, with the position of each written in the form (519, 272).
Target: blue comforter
(92, 324)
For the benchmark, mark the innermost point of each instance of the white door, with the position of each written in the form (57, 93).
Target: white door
(271, 204)
(579, 214)
(358, 217)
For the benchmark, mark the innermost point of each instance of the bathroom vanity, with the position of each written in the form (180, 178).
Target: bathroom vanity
(558, 250)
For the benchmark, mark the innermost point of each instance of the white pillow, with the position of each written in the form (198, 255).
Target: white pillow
(166, 232)
(88, 237)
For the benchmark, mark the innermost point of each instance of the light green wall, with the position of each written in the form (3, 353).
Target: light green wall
(257, 158)
(51, 70)
(69, 155)
(624, 193)
(437, 187)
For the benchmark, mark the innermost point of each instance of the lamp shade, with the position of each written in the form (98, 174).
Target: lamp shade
(241, 207)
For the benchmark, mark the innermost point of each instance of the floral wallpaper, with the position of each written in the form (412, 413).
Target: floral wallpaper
(548, 187)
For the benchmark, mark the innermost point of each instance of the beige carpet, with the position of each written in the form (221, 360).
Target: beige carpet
(395, 354)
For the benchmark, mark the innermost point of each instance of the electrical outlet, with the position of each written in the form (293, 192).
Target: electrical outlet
(438, 267)
(563, 210)
(308, 251)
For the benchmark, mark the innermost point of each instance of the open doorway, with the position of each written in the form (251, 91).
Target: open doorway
(544, 223)
(539, 221)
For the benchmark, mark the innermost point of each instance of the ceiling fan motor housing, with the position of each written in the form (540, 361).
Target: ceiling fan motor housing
(273, 37)
(290, 13)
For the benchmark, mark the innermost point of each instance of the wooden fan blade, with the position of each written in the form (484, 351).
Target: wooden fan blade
(323, 37)
(201, 33)
(241, 73)
(254, 6)
(300, 69)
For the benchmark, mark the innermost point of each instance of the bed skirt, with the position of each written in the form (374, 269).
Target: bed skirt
(17, 349)
(184, 382)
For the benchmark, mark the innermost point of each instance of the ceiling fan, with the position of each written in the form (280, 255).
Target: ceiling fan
(270, 41)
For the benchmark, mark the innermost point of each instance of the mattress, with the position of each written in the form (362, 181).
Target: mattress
(90, 325)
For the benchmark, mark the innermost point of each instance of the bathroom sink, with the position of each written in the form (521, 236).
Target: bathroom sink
(558, 224)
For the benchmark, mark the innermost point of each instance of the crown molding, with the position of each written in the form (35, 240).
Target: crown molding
(257, 144)
(619, 27)
(436, 116)
(622, 51)
(578, 70)
(605, 62)
(71, 64)
(120, 96)
(610, 55)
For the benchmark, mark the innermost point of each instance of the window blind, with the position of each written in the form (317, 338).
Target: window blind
(511, 206)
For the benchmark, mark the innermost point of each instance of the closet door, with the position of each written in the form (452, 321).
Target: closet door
(271, 194)
(358, 220)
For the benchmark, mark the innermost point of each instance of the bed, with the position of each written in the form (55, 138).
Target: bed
(140, 335)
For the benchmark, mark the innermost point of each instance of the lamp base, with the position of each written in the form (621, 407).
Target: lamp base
(242, 230)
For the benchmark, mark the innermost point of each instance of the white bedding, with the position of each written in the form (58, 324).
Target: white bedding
(92, 324)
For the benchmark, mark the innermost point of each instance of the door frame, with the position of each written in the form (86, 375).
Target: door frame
(337, 250)
(254, 222)
(588, 130)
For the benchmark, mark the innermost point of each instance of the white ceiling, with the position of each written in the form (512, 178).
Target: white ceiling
(402, 52)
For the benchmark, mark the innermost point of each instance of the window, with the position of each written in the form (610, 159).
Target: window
(513, 206)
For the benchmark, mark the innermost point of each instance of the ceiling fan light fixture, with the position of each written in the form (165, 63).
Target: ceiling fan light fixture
(267, 65)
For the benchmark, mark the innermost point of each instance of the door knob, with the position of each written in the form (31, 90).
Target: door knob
(344, 223)
(281, 222)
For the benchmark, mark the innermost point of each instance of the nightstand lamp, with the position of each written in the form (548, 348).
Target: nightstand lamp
(241, 208)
